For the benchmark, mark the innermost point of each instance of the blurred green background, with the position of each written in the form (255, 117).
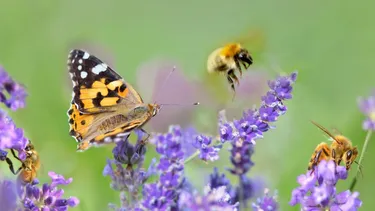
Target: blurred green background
(331, 43)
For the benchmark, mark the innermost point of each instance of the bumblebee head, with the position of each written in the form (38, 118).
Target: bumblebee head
(244, 57)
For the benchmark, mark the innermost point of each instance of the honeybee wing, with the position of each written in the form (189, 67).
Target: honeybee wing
(99, 93)
(326, 131)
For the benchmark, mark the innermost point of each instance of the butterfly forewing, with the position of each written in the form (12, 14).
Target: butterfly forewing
(100, 102)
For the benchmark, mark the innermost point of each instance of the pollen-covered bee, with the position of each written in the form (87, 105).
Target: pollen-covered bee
(341, 149)
(30, 166)
(229, 59)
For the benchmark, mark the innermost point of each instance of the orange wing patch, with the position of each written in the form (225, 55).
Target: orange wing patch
(102, 94)
(79, 122)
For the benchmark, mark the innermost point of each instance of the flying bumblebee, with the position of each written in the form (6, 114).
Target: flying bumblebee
(228, 60)
(30, 166)
(341, 149)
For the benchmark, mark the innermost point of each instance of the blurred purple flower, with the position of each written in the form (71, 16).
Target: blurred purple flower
(213, 199)
(12, 137)
(164, 193)
(8, 195)
(16, 92)
(318, 191)
(266, 202)
(128, 179)
(367, 106)
(49, 196)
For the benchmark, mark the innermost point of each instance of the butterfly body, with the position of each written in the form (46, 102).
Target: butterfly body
(104, 107)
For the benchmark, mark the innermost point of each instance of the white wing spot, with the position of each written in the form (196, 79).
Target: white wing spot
(86, 55)
(80, 61)
(73, 61)
(83, 74)
(107, 139)
(99, 68)
(79, 67)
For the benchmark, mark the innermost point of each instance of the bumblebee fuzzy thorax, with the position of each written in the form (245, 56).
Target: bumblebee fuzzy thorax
(230, 50)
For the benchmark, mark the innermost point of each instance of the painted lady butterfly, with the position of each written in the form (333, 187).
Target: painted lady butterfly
(104, 108)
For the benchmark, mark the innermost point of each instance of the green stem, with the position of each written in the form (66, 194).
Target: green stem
(191, 157)
(354, 182)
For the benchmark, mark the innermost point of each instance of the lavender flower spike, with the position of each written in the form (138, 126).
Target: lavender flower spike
(16, 92)
(318, 191)
(213, 199)
(367, 106)
(11, 137)
(267, 202)
(129, 178)
(48, 197)
(206, 150)
(163, 194)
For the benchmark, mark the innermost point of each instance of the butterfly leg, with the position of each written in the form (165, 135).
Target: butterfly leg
(144, 141)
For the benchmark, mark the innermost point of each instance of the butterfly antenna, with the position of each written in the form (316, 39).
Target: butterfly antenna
(164, 82)
(179, 104)
(326, 131)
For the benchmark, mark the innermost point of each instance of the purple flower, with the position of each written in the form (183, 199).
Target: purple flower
(16, 92)
(218, 180)
(127, 153)
(318, 191)
(49, 196)
(266, 202)
(243, 133)
(12, 137)
(367, 106)
(206, 151)
(129, 178)
(241, 153)
(164, 193)
(213, 199)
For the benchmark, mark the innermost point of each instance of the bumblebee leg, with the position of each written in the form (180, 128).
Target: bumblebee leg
(233, 75)
(230, 81)
(239, 67)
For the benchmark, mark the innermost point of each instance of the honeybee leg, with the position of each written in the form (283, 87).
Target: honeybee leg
(14, 155)
(10, 164)
(315, 161)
